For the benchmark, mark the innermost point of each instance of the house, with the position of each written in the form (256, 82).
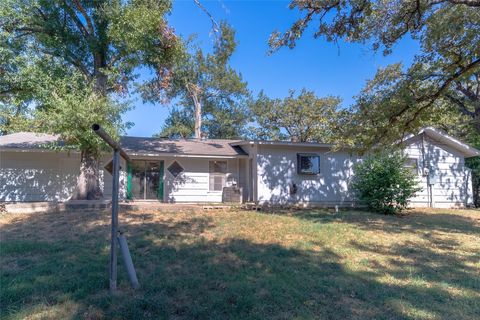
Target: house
(215, 170)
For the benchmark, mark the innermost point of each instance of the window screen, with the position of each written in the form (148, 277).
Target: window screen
(308, 163)
(218, 170)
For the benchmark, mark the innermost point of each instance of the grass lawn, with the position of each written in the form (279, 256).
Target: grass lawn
(244, 265)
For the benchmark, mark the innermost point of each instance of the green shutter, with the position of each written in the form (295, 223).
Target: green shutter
(129, 181)
(160, 182)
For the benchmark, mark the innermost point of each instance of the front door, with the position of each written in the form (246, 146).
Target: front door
(145, 180)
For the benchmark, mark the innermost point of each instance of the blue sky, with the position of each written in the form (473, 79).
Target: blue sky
(315, 64)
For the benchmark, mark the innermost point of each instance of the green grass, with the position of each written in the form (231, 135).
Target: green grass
(244, 265)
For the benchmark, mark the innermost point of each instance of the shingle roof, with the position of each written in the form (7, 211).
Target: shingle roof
(134, 145)
(144, 146)
(26, 140)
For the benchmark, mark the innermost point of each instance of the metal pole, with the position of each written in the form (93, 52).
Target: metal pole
(117, 152)
(113, 243)
(115, 146)
(127, 259)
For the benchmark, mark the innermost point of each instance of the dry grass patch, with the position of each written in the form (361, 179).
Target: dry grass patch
(245, 265)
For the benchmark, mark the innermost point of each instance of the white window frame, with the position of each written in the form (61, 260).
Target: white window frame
(213, 175)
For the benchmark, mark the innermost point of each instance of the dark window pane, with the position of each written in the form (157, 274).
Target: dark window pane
(138, 182)
(308, 164)
(175, 169)
(152, 178)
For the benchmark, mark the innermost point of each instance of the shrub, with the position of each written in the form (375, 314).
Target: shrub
(383, 183)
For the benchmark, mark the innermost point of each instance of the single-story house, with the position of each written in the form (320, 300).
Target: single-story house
(215, 170)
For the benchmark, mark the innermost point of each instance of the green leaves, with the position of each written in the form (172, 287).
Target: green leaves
(383, 183)
(64, 65)
(399, 100)
(205, 81)
(69, 108)
(305, 117)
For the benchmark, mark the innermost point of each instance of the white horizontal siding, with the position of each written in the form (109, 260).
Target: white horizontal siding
(277, 172)
(192, 185)
(42, 176)
(276, 167)
(451, 188)
(37, 176)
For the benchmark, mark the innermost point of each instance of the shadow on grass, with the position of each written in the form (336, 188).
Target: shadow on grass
(58, 263)
(413, 221)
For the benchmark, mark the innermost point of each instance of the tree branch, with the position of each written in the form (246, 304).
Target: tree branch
(470, 3)
(463, 108)
(467, 92)
(83, 30)
(435, 95)
(80, 8)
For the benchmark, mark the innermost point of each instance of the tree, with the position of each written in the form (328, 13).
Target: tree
(399, 101)
(383, 183)
(91, 51)
(302, 118)
(178, 125)
(208, 89)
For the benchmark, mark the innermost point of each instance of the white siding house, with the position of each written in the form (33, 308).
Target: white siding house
(279, 182)
(200, 171)
(442, 174)
(439, 161)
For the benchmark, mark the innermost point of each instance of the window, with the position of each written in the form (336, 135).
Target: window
(308, 163)
(175, 169)
(412, 164)
(218, 173)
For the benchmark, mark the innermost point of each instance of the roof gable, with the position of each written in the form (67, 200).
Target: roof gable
(439, 136)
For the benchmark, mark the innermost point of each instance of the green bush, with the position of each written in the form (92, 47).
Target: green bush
(383, 183)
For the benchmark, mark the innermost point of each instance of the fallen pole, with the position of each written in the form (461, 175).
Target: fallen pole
(116, 235)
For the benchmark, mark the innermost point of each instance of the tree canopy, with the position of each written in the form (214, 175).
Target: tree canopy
(401, 99)
(207, 90)
(303, 117)
(65, 63)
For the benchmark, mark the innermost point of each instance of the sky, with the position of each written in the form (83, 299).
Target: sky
(315, 64)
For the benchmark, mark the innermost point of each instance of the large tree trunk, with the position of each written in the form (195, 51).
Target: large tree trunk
(198, 117)
(88, 181)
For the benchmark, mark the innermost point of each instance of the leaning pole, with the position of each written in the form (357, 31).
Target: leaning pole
(117, 236)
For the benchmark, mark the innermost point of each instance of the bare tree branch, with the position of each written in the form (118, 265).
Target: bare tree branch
(215, 26)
